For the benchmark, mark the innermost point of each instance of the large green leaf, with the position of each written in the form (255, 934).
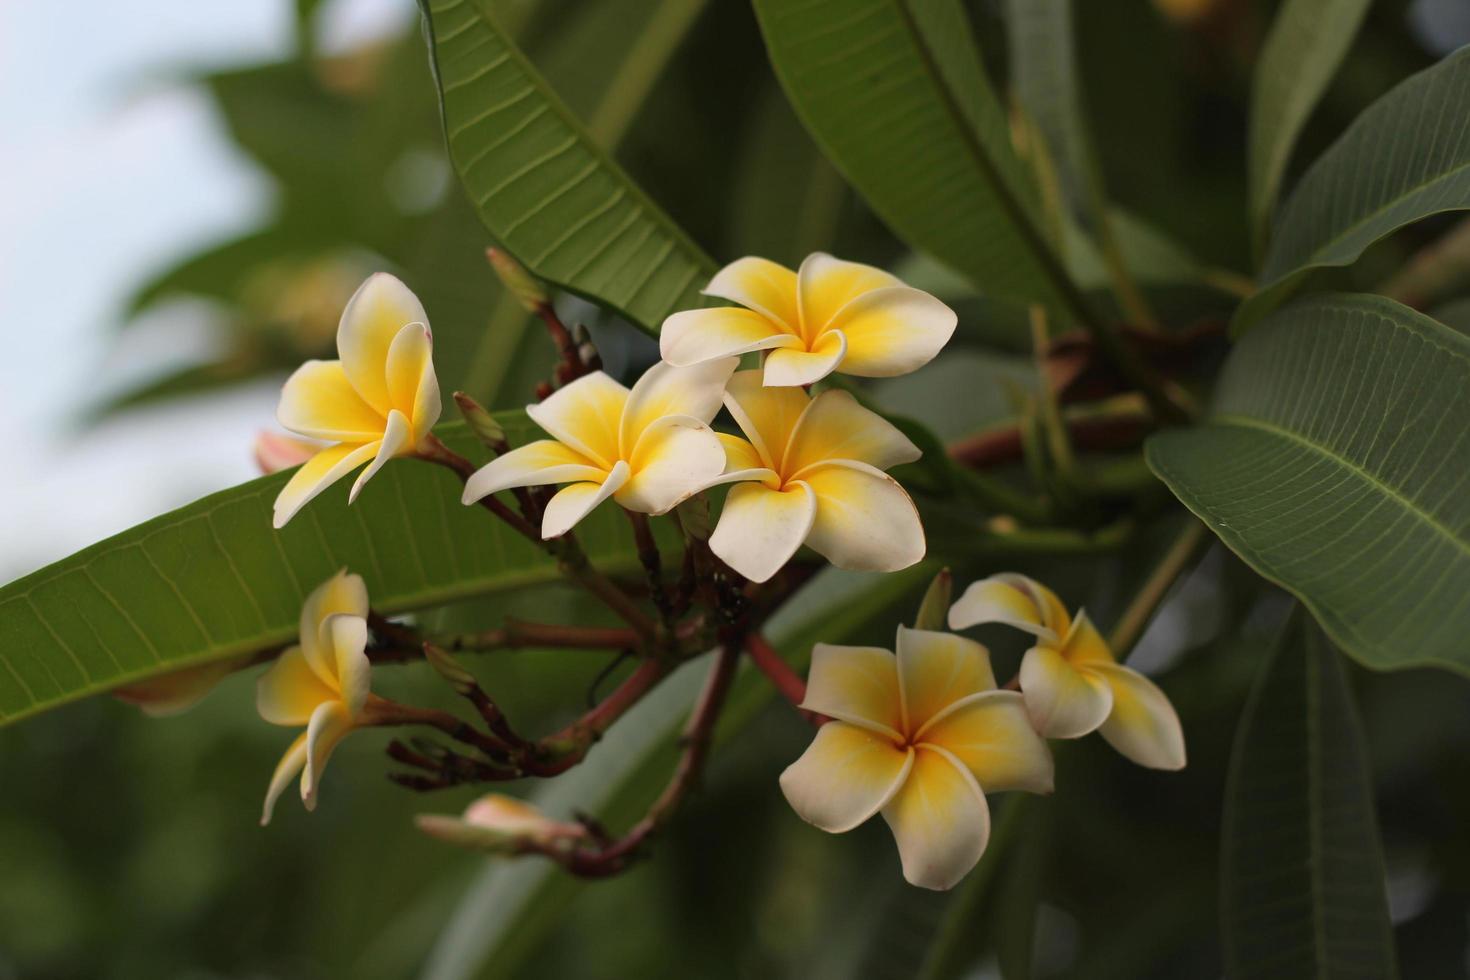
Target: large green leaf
(1301, 876)
(548, 193)
(1307, 42)
(1405, 158)
(514, 904)
(1335, 464)
(212, 580)
(896, 94)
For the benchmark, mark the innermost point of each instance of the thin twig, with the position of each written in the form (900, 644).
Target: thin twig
(782, 677)
(1176, 561)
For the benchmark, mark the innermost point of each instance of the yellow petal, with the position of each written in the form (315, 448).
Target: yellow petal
(761, 285)
(413, 388)
(767, 416)
(1143, 725)
(397, 440)
(1063, 701)
(1084, 645)
(585, 415)
(858, 685)
(318, 401)
(937, 669)
(844, 777)
(176, 691)
(825, 285)
(676, 457)
(291, 763)
(939, 819)
(532, 465)
(835, 426)
(575, 502)
(892, 331)
(990, 734)
(665, 390)
(865, 521)
(692, 336)
(329, 724)
(289, 691)
(318, 473)
(381, 307)
(342, 594)
(761, 528)
(1013, 600)
(345, 636)
(742, 462)
(797, 368)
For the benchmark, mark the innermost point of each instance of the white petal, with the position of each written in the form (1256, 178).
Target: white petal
(381, 307)
(664, 390)
(990, 733)
(892, 331)
(857, 685)
(676, 457)
(343, 593)
(585, 415)
(835, 426)
(940, 820)
(318, 473)
(348, 636)
(692, 336)
(1143, 725)
(575, 502)
(825, 285)
(397, 439)
(760, 528)
(844, 777)
(329, 724)
(318, 401)
(760, 285)
(291, 763)
(793, 368)
(532, 465)
(767, 416)
(865, 521)
(1013, 600)
(937, 669)
(413, 388)
(1063, 702)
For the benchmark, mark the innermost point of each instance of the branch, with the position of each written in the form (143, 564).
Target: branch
(781, 676)
(1176, 561)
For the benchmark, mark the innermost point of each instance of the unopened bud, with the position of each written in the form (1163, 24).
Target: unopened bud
(500, 824)
(178, 690)
(934, 610)
(520, 282)
(275, 452)
(481, 422)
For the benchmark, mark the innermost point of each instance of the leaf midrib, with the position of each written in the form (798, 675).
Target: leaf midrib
(1327, 453)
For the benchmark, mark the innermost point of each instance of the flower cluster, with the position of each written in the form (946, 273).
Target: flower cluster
(922, 735)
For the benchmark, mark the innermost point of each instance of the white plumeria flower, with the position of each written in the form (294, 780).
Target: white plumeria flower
(919, 737)
(379, 401)
(648, 448)
(1071, 682)
(815, 471)
(829, 316)
(322, 683)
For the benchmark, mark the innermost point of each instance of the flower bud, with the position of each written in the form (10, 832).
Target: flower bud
(935, 607)
(520, 282)
(500, 824)
(275, 452)
(481, 422)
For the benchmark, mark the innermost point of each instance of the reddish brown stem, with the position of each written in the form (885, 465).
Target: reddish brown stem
(1005, 445)
(780, 674)
(434, 451)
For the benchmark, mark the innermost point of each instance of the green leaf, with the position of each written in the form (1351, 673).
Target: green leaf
(896, 95)
(547, 192)
(1307, 42)
(1301, 876)
(212, 580)
(1405, 158)
(512, 905)
(1334, 463)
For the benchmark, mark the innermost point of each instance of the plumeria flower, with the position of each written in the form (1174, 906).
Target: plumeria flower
(322, 683)
(274, 452)
(178, 690)
(1070, 680)
(648, 448)
(379, 401)
(829, 316)
(500, 823)
(920, 737)
(812, 472)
